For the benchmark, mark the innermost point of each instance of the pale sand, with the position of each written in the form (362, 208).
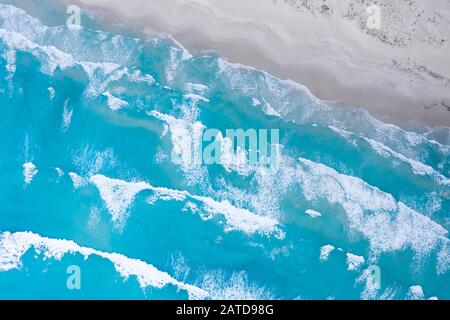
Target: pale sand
(400, 73)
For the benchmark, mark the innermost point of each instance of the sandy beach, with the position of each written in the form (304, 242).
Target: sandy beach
(399, 72)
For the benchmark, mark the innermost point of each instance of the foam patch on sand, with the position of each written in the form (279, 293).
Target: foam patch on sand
(14, 245)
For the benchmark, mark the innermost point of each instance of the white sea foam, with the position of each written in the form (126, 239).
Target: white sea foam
(138, 76)
(241, 219)
(270, 188)
(77, 181)
(13, 18)
(387, 224)
(166, 194)
(392, 135)
(59, 171)
(67, 115)
(236, 287)
(347, 135)
(172, 66)
(228, 67)
(197, 88)
(325, 252)
(233, 160)
(51, 93)
(275, 90)
(90, 161)
(119, 195)
(176, 57)
(14, 245)
(313, 213)
(185, 136)
(51, 57)
(94, 218)
(443, 259)
(417, 167)
(29, 171)
(22, 37)
(195, 97)
(255, 102)
(415, 293)
(115, 103)
(115, 49)
(186, 55)
(99, 84)
(308, 108)
(235, 218)
(354, 262)
(270, 111)
(11, 67)
(180, 267)
(372, 288)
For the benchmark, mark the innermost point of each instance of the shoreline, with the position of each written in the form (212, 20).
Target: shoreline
(333, 57)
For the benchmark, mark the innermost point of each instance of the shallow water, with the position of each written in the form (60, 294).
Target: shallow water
(88, 124)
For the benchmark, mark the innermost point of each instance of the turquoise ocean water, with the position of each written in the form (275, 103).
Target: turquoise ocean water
(89, 121)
